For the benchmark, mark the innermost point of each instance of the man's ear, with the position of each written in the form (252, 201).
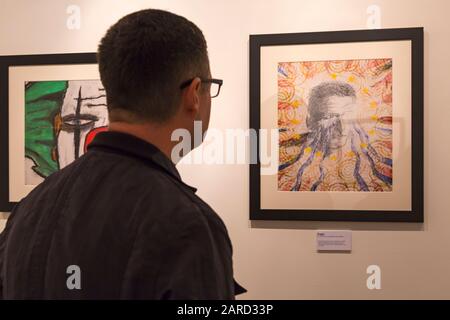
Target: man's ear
(191, 97)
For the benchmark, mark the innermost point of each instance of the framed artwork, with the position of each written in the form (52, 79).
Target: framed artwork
(51, 107)
(346, 109)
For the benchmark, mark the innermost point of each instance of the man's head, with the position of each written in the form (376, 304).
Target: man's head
(143, 60)
(331, 100)
(331, 112)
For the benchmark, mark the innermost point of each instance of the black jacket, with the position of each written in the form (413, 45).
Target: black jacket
(122, 215)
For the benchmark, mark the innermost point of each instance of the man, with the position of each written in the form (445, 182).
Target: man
(119, 223)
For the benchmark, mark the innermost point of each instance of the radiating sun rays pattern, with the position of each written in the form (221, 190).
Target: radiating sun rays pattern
(335, 123)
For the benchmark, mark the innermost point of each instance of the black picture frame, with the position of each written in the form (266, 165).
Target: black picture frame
(416, 35)
(24, 60)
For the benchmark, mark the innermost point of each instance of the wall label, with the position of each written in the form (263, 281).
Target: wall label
(340, 241)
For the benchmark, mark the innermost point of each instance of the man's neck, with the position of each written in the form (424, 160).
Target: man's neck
(155, 134)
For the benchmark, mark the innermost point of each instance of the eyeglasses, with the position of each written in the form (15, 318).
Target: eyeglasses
(216, 84)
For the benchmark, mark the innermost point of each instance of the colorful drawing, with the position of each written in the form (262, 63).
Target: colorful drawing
(335, 123)
(60, 116)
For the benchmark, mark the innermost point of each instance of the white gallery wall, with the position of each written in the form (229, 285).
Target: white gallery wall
(277, 260)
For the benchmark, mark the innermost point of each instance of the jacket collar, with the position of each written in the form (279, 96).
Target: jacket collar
(135, 147)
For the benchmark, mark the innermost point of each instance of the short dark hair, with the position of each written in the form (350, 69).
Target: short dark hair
(144, 58)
